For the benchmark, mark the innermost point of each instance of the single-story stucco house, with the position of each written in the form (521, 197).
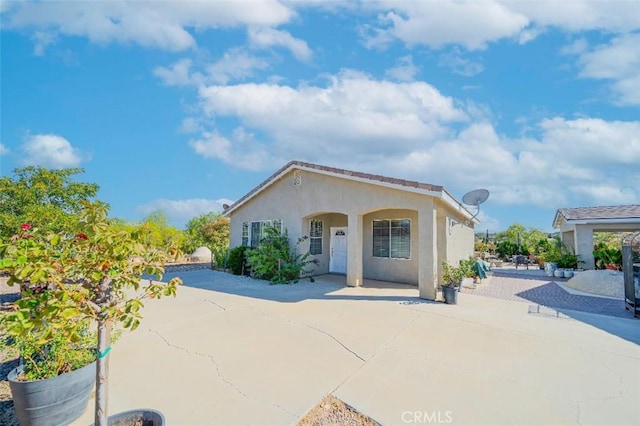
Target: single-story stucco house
(359, 224)
(577, 226)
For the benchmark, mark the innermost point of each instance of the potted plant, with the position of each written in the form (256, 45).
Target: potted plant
(607, 257)
(469, 273)
(71, 282)
(451, 278)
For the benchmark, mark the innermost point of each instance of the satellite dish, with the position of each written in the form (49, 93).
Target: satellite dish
(475, 198)
(225, 206)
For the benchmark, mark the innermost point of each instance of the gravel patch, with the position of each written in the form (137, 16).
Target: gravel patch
(183, 267)
(602, 282)
(333, 412)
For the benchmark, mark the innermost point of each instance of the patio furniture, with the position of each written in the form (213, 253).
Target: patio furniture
(521, 260)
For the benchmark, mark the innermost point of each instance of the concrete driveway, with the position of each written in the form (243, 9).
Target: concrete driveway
(236, 351)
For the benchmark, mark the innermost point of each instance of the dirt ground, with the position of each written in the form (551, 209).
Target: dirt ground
(331, 411)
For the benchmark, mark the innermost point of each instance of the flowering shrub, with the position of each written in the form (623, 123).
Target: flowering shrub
(67, 280)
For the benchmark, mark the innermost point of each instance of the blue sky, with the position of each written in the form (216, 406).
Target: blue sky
(183, 106)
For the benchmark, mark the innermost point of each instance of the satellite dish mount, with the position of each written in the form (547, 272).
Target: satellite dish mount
(472, 198)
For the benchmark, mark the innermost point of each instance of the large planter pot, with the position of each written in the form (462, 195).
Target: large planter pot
(52, 402)
(143, 417)
(450, 295)
(549, 268)
(558, 273)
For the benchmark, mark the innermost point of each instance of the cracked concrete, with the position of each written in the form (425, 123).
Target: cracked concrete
(235, 351)
(218, 372)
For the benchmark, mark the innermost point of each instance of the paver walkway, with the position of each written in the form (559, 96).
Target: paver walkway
(539, 289)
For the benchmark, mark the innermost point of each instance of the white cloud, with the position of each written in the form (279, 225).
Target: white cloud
(352, 115)
(190, 125)
(411, 130)
(474, 24)
(404, 70)
(487, 222)
(42, 40)
(235, 64)
(616, 16)
(51, 151)
(179, 74)
(471, 24)
(183, 210)
(617, 61)
(460, 65)
(3, 149)
(268, 37)
(162, 25)
(242, 150)
(578, 47)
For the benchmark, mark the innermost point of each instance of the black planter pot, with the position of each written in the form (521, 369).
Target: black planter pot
(450, 295)
(52, 402)
(144, 417)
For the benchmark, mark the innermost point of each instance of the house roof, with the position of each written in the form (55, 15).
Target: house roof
(402, 184)
(597, 214)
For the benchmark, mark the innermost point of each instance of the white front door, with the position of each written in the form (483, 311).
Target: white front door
(338, 247)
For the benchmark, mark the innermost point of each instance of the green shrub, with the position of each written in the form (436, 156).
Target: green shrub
(273, 259)
(467, 267)
(237, 259)
(220, 258)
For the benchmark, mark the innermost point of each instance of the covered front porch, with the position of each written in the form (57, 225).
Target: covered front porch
(385, 245)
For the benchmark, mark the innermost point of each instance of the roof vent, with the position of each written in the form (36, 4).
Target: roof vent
(297, 178)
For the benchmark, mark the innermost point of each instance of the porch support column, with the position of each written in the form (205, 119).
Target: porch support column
(583, 236)
(354, 250)
(427, 251)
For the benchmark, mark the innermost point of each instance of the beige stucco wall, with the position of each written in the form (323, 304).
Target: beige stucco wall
(342, 202)
(386, 269)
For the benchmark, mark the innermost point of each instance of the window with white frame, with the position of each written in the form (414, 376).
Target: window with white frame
(315, 236)
(253, 232)
(392, 238)
(245, 233)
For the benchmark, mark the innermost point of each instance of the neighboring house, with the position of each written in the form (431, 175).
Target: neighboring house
(577, 226)
(359, 224)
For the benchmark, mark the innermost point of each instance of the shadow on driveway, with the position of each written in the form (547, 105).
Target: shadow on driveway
(325, 287)
(604, 313)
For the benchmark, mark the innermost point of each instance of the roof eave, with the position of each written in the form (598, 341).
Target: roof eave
(296, 165)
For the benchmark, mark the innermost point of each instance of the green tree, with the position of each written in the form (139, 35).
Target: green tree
(156, 232)
(207, 230)
(47, 199)
(216, 237)
(92, 274)
(529, 239)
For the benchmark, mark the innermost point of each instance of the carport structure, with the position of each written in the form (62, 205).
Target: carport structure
(577, 226)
